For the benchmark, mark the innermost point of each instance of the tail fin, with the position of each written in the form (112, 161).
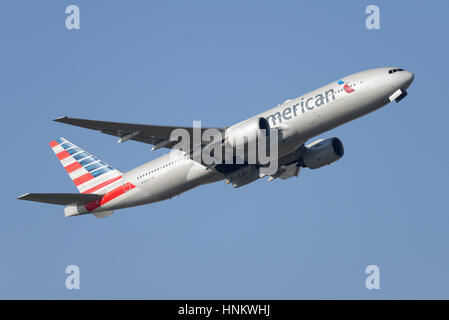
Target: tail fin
(88, 173)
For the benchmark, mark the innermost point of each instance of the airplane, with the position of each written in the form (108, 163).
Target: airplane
(103, 189)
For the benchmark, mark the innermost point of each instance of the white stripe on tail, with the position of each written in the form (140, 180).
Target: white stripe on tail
(88, 173)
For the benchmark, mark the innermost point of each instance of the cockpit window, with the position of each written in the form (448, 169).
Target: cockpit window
(394, 70)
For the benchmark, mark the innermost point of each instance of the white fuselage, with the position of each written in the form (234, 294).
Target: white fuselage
(299, 120)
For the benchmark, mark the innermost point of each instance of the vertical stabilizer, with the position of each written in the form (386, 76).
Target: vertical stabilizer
(88, 173)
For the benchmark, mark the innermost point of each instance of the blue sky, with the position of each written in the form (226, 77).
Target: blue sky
(170, 63)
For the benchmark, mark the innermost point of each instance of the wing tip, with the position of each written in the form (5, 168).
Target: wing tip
(23, 196)
(60, 119)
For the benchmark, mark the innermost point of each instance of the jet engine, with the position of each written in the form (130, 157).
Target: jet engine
(240, 136)
(248, 129)
(322, 152)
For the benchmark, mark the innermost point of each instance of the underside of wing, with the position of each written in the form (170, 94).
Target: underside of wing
(61, 198)
(159, 136)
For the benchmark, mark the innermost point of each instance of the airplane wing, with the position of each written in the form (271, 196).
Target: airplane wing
(158, 136)
(61, 198)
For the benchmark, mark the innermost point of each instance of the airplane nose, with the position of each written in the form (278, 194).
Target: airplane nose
(407, 79)
(410, 78)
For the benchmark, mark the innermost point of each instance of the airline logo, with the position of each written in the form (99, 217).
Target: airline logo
(346, 87)
(88, 173)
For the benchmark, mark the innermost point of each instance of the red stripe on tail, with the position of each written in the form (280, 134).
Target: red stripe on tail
(62, 155)
(82, 179)
(73, 166)
(103, 184)
(91, 206)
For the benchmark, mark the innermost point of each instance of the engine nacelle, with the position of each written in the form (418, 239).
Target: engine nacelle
(246, 133)
(248, 129)
(322, 152)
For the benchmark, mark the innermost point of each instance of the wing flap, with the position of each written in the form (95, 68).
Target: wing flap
(61, 198)
(290, 171)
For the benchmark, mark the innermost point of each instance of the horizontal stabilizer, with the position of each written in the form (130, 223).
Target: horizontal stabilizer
(61, 198)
